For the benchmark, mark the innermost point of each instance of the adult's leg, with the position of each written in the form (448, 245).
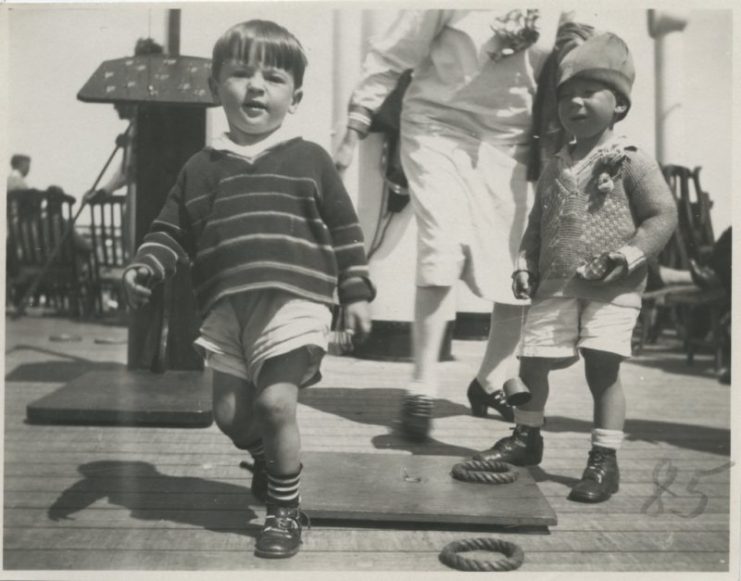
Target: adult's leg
(430, 320)
(500, 363)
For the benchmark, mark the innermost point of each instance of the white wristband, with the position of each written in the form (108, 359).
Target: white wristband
(634, 256)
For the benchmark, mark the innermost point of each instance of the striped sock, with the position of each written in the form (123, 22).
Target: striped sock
(256, 451)
(283, 490)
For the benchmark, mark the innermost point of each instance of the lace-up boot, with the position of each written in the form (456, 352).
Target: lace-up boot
(601, 477)
(523, 448)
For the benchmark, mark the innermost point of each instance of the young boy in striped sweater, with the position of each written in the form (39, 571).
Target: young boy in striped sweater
(272, 235)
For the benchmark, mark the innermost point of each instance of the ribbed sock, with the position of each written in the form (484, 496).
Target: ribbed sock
(530, 419)
(607, 438)
(283, 490)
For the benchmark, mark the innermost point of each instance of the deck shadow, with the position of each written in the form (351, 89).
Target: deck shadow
(702, 366)
(688, 436)
(58, 371)
(55, 371)
(379, 406)
(207, 504)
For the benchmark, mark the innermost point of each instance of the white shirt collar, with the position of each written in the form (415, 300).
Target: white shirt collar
(251, 152)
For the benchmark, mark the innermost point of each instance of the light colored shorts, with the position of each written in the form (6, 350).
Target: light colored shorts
(557, 327)
(243, 331)
(471, 200)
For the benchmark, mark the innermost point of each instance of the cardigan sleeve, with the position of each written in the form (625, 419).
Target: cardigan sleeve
(652, 203)
(403, 46)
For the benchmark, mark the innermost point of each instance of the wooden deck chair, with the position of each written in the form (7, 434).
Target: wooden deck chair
(36, 221)
(695, 313)
(110, 251)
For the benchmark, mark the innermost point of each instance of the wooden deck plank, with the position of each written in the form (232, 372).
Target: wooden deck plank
(104, 517)
(240, 485)
(240, 559)
(325, 539)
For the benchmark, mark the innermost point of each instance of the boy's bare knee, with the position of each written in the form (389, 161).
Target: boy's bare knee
(276, 406)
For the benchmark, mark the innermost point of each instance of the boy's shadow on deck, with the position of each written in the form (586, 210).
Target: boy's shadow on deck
(150, 495)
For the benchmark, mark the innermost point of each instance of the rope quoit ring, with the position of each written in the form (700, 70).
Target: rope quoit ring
(485, 472)
(513, 555)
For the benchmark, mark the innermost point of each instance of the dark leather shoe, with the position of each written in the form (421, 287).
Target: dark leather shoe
(416, 417)
(281, 535)
(601, 477)
(523, 448)
(480, 402)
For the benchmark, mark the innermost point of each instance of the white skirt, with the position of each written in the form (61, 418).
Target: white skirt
(471, 200)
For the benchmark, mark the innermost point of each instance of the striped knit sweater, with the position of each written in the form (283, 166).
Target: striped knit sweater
(282, 221)
(573, 220)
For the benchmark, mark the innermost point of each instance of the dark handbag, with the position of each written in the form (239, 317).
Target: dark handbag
(387, 120)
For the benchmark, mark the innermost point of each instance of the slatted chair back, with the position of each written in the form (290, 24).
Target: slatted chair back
(694, 237)
(36, 223)
(106, 231)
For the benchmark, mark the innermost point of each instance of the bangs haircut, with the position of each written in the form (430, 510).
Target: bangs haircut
(260, 41)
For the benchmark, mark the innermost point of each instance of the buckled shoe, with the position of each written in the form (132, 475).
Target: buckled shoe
(480, 401)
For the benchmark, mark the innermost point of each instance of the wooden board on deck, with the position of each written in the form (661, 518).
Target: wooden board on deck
(128, 398)
(418, 489)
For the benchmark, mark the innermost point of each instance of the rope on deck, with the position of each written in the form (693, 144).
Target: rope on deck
(514, 556)
(485, 472)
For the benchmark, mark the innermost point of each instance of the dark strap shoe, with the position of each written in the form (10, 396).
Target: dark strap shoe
(281, 535)
(601, 477)
(480, 402)
(523, 448)
(416, 417)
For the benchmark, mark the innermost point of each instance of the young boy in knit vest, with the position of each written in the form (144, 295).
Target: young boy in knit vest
(272, 235)
(602, 207)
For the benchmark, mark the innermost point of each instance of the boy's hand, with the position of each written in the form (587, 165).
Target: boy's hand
(356, 319)
(135, 285)
(521, 285)
(618, 268)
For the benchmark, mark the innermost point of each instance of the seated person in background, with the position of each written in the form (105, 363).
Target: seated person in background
(20, 166)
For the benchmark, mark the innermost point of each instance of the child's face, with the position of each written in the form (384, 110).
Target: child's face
(587, 108)
(255, 98)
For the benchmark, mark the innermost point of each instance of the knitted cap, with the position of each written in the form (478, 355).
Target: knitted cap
(605, 58)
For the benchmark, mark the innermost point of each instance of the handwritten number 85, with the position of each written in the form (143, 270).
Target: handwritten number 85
(663, 485)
